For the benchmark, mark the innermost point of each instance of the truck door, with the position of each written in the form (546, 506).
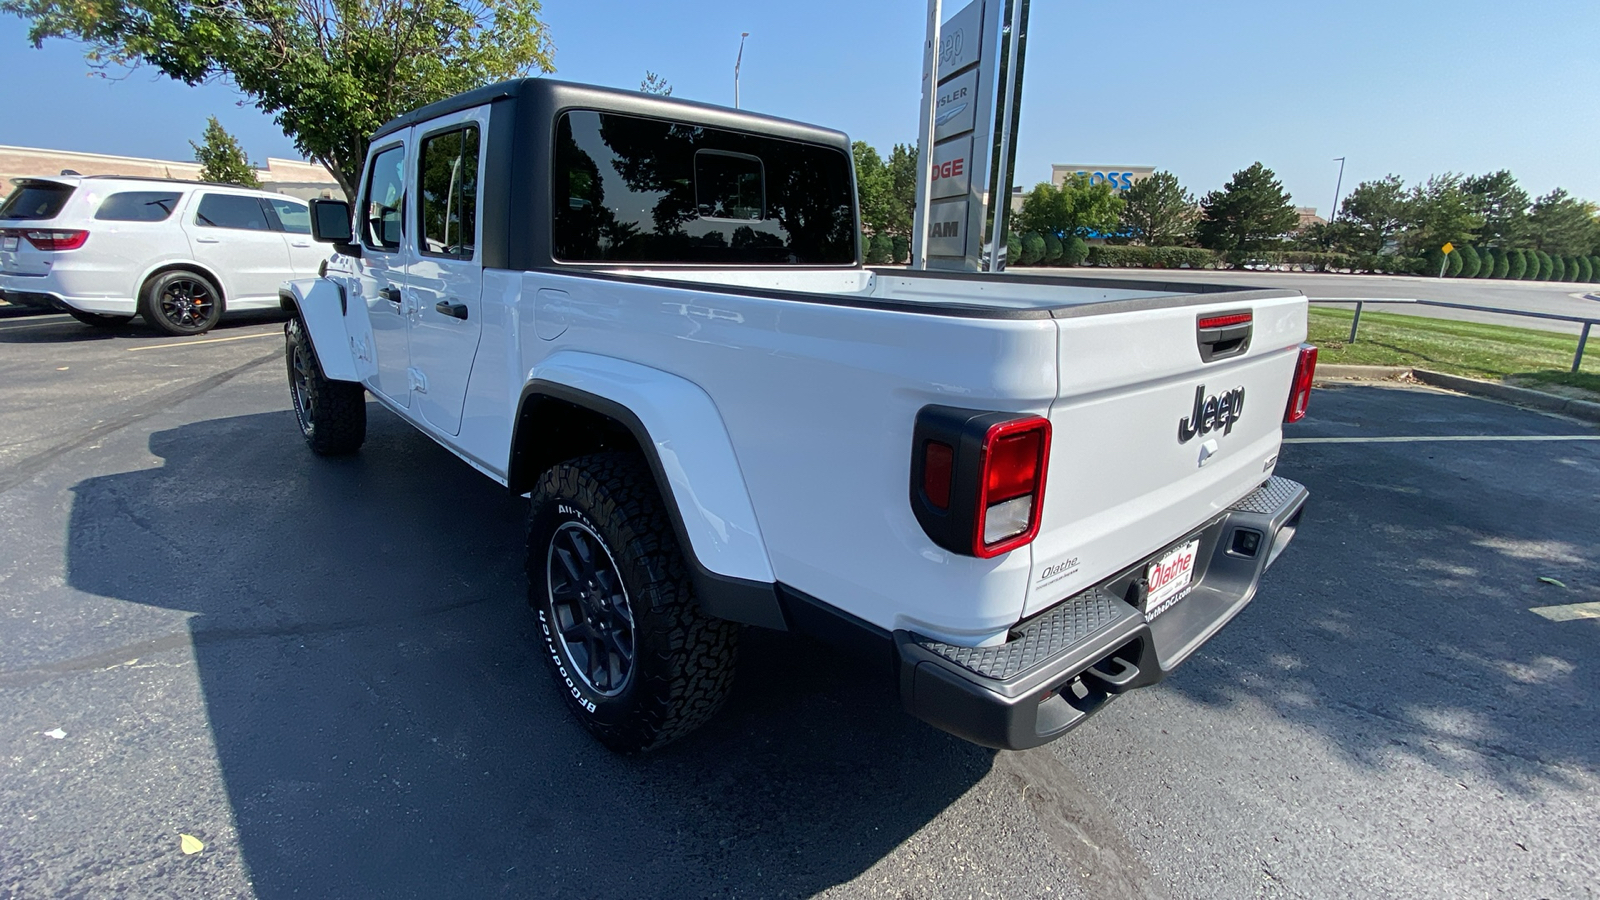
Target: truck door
(380, 220)
(444, 279)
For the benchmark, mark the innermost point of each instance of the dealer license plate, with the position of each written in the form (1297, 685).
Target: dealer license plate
(1169, 576)
(9, 242)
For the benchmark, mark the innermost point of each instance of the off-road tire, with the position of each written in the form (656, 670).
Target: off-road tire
(99, 320)
(683, 660)
(332, 414)
(154, 302)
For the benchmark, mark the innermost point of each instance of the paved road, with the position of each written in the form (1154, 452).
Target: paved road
(324, 671)
(1530, 296)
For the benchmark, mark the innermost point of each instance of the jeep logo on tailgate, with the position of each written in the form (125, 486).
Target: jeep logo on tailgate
(1211, 413)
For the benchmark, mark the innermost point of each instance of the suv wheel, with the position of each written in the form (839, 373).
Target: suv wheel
(636, 660)
(332, 414)
(181, 303)
(99, 320)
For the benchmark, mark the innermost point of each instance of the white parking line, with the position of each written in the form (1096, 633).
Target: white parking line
(1568, 613)
(1427, 438)
(181, 344)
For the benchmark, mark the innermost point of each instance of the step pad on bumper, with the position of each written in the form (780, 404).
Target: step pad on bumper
(1040, 639)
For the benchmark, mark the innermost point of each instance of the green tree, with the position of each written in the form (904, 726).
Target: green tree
(1438, 212)
(880, 250)
(1516, 264)
(1374, 212)
(1562, 224)
(1502, 264)
(1502, 205)
(655, 84)
(1076, 207)
(902, 249)
(221, 158)
(872, 188)
(902, 191)
(1158, 211)
(1547, 265)
(1558, 268)
(1470, 263)
(330, 72)
(1454, 263)
(1594, 268)
(1434, 262)
(1013, 249)
(1251, 212)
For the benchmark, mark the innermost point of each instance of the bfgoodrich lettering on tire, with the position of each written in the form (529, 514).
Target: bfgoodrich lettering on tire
(332, 414)
(636, 660)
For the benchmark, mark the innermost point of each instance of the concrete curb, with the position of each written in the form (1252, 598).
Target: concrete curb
(1587, 410)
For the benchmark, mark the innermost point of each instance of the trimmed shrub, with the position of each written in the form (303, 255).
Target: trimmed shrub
(1032, 248)
(902, 249)
(1547, 265)
(1500, 263)
(1435, 262)
(1052, 250)
(1584, 269)
(1572, 268)
(1485, 263)
(1594, 268)
(1470, 263)
(1453, 264)
(1013, 249)
(879, 250)
(1074, 251)
(1151, 257)
(1516, 264)
(1558, 269)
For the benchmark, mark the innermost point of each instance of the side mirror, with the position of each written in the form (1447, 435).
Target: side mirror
(330, 224)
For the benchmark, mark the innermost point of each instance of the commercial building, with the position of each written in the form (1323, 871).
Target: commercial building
(296, 178)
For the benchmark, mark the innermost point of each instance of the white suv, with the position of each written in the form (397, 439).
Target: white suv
(107, 248)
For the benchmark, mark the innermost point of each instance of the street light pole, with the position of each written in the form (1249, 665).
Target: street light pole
(736, 64)
(1336, 186)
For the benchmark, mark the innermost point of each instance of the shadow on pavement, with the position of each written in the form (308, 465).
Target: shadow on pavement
(69, 329)
(386, 726)
(1399, 623)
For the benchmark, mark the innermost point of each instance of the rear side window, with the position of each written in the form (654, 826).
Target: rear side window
(232, 211)
(447, 175)
(386, 194)
(36, 200)
(629, 189)
(293, 217)
(138, 206)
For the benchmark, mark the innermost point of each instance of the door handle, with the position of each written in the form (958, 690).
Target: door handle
(451, 308)
(207, 240)
(300, 244)
(391, 294)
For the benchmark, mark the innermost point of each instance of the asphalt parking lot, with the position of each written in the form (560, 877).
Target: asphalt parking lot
(324, 671)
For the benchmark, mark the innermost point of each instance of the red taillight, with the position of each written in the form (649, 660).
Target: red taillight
(1224, 321)
(63, 239)
(1305, 368)
(1015, 457)
(938, 470)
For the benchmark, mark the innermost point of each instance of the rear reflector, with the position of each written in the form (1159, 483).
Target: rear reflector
(63, 239)
(1015, 457)
(1305, 369)
(938, 468)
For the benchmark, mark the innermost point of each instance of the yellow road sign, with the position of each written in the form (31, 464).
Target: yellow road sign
(1448, 248)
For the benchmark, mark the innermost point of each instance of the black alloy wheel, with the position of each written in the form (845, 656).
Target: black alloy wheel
(182, 303)
(593, 621)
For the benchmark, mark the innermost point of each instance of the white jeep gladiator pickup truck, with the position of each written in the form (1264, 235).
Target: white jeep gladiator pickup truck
(1023, 496)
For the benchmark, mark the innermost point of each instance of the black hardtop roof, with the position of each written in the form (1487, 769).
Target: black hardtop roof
(555, 95)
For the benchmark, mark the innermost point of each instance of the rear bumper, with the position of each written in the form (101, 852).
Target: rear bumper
(1067, 663)
(49, 291)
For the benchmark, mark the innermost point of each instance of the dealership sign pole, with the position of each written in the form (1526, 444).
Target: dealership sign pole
(966, 146)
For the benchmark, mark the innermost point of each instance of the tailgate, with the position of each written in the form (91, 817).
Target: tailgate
(1129, 471)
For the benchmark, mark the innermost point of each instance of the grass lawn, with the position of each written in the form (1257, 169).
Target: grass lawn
(1495, 352)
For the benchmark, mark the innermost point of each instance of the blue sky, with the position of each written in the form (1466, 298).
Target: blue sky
(1201, 89)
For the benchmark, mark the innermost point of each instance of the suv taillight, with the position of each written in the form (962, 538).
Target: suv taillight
(1305, 369)
(977, 478)
(56, 239)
